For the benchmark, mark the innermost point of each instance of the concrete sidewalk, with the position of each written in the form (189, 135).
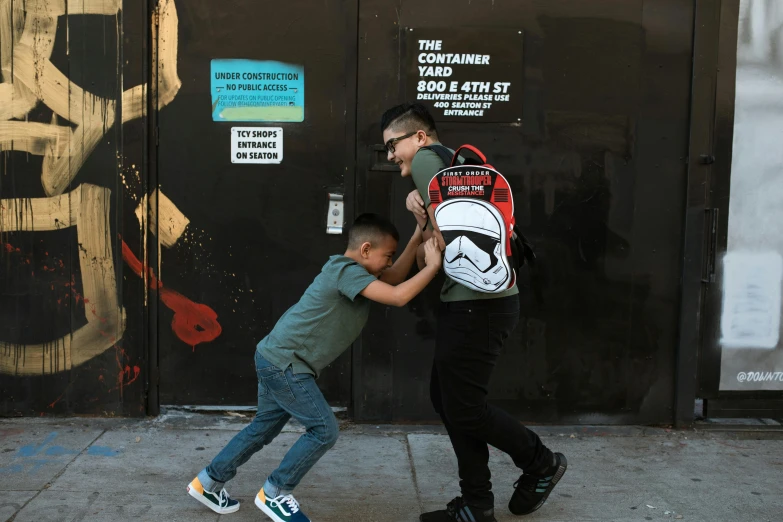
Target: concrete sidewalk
(115, 470)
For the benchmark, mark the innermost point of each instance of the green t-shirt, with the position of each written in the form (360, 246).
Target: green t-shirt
(425, 165)
(326, 320)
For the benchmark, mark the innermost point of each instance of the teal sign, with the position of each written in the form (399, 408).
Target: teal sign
(252, 90)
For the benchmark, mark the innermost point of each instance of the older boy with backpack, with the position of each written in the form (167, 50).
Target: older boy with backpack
(468, 207)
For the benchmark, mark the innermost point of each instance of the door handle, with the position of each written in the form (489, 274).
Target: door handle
(335, 214)
(711, 218)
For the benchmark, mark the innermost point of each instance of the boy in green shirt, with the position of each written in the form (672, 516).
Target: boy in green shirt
(309, 336)
(471, 329)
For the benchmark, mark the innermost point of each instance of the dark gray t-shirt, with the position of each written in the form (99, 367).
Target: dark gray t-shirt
(326, 320)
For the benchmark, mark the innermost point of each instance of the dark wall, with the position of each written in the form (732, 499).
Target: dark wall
(597, 165)
(257, 233)
(234, 246)
(71, 177)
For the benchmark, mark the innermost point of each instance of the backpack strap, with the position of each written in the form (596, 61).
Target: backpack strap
(442, 152)
(445, 156)
(471, 148)
(523, 247)
(523, 254)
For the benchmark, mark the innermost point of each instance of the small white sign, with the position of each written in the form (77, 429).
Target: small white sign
(751, 299)
(256, 145)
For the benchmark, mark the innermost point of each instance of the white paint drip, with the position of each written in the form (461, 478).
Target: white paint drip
(26, 48)
(39, 214)
(87, 209)
(170, 223)
(27, 30)
(165, 78)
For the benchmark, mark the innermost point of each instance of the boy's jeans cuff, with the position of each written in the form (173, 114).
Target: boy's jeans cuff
(209, 484)
(272, 491)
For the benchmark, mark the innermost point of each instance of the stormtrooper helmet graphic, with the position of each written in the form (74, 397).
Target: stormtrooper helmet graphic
(475, 239)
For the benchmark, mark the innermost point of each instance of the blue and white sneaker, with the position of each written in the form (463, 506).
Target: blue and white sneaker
(219, 501)
(283, 508)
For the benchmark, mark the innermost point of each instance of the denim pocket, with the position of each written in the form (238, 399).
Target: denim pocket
(263, 389)
(276, 383)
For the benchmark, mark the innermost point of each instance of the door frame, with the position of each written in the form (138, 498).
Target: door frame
(706, 223)
(698, 252)
(150, 180)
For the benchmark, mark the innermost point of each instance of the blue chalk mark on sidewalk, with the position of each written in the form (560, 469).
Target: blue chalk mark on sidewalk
(31, 457)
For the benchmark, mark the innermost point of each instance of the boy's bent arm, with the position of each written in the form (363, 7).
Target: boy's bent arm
(402, 267)
(435, 232)
(426, 164)
(401, 294)
(420, 257)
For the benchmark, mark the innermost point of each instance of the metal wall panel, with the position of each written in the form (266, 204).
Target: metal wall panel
(598, 166)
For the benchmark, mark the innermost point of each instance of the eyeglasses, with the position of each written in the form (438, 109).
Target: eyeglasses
(391, 142)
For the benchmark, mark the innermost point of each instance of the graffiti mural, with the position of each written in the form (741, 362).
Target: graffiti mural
(80, 121)
(86, 209)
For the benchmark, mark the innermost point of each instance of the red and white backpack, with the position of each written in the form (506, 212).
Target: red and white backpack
(474, 210)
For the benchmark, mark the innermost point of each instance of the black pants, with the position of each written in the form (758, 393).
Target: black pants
(470, 337)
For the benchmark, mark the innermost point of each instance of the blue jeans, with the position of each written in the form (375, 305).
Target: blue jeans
(282, 394)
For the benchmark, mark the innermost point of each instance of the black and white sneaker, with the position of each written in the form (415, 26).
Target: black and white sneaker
(531, 491)
(283, 508)
(217, 501)
(459, 511)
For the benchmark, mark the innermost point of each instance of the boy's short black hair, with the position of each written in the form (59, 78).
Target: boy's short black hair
(372, 228)
(409, 117)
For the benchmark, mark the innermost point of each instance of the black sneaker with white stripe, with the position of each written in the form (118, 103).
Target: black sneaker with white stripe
(531, 491)
(459, 511)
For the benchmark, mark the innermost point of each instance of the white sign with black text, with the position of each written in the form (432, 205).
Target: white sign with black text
(257, 145)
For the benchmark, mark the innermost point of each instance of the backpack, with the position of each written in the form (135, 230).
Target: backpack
(474, 209)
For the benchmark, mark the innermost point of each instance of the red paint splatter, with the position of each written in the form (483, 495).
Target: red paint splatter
(194, 323)
(127, 374)
(58, 399)
(73, 295)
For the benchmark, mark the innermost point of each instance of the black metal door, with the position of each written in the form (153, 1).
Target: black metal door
(731, 217)
(597, 163)
(256, 233)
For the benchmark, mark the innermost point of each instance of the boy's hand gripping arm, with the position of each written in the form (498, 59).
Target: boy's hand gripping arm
(401, 294)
